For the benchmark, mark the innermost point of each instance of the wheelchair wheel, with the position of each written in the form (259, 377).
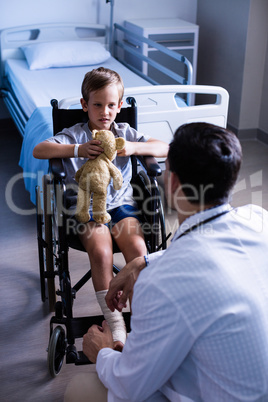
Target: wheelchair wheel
(162, 237)
(39, 222)
(56, 351)
(49, 243)
(153, 212)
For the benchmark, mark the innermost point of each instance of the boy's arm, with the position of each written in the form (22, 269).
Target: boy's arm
(49, 150)
(151, 147)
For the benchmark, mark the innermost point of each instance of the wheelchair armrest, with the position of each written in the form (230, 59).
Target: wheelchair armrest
(151, 165)
(56, 168)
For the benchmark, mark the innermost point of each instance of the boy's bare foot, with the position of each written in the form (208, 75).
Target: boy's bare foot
(118, 346)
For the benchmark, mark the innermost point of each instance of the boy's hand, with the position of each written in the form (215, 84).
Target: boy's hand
(129, 149)
(90, 149)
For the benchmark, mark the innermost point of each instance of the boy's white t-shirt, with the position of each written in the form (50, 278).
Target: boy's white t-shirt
(79, 134)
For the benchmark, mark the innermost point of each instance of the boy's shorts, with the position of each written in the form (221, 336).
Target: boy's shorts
(117, 214)
(122, 212)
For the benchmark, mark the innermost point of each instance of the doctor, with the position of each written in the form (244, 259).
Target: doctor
(199, 309)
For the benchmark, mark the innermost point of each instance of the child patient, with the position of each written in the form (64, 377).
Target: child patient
(102, 91)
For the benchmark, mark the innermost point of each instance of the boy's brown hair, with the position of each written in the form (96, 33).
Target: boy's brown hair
(100, 78)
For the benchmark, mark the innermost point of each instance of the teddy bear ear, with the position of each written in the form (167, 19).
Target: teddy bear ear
(94, 132)
(120, 143)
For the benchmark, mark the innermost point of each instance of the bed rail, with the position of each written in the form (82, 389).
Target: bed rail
(161, 110)
(15, 110)
(121, 35)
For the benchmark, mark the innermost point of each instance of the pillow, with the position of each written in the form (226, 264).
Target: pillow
(64, 54)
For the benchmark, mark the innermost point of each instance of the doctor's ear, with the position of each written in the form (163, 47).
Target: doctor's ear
(175, 182)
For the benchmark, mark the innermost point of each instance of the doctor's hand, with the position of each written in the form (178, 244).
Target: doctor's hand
(96, 339)
(121, 286)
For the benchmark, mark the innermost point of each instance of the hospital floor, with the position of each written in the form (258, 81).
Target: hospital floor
(24, 318)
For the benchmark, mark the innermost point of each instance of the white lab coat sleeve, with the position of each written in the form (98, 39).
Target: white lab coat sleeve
(157, 344)
(154, 256)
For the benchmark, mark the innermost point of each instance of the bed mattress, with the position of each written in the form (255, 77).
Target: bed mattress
(35, 88)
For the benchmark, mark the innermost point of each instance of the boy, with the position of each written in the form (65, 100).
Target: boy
(102, 91)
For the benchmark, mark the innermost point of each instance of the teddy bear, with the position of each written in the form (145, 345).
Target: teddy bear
(94, 177)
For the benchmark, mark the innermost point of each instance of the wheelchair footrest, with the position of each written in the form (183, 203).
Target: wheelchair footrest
(77, 327)
(76, 357)
(81, 359)
(80, 325)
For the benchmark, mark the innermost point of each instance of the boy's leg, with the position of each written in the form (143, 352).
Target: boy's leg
(129, 237)
(97, 241)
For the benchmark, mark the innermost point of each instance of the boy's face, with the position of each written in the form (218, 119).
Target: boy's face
(102, 107)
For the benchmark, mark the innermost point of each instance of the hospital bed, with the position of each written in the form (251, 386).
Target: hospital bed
(41, 62)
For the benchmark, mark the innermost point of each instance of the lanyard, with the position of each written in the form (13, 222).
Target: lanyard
(202, 223)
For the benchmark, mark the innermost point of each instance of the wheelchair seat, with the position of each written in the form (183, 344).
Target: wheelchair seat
(54, 242)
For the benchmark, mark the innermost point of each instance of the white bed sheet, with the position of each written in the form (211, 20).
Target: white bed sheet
(35, 88)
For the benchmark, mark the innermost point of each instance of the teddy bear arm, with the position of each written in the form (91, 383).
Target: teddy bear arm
(78, 174)
(117, 177)
(82, 207)
(100, 214)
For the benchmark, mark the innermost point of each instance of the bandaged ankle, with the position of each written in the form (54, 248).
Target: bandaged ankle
(114, 319)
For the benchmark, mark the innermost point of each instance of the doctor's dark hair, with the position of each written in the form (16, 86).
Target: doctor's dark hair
(207, 159)
(100, 78)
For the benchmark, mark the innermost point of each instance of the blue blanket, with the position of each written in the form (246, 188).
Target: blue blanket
(38, 128)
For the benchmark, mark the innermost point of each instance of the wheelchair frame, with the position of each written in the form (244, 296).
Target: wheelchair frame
(53, 246)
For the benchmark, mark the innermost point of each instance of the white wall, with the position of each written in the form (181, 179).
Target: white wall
(254, 71)
(222, 46)
(129, 9)
(233, 54)
(21, 12)
(264, 101)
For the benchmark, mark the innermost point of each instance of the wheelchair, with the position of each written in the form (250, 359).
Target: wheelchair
(54, 242)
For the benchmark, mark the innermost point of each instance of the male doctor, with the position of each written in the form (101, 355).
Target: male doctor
(199, 326)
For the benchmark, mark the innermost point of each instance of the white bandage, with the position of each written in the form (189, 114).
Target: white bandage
(114, 319)
(76, 150)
